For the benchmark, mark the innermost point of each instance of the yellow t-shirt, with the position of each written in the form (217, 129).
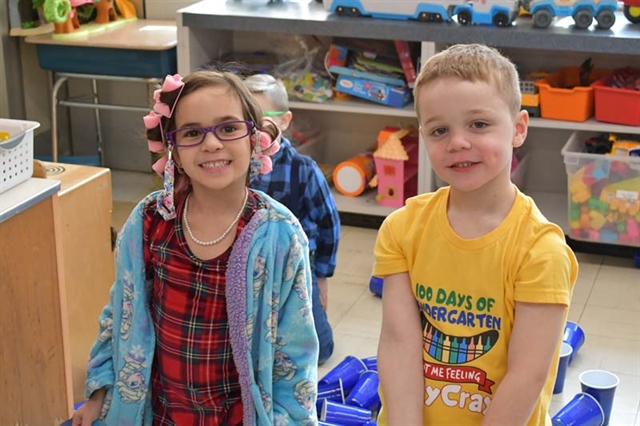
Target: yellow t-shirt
(467, 289)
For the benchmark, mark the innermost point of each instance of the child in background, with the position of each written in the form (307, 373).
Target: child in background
(210, 318)
(298, 183)
(477, 282)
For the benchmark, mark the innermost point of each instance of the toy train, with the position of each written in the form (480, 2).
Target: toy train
(501, 13)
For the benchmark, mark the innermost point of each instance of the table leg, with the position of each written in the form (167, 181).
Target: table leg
(54, 117)
(96, 113)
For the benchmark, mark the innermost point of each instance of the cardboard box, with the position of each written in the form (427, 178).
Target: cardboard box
(373, 91)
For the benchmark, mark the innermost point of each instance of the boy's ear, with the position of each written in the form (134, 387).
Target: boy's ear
(285, 120)
(521, 128)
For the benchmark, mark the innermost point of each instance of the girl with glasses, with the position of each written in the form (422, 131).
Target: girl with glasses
(210, 319)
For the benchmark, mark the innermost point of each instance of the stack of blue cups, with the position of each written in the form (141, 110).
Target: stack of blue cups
(358, 380)
(592, 406)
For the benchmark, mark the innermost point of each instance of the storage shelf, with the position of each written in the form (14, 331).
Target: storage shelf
(355, 107)
(552, 204)
(590, 125)
(211, 26)
(364, 204)
(364, 107)
(309, 17)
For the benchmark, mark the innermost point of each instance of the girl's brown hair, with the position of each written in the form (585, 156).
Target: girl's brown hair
(207, 78)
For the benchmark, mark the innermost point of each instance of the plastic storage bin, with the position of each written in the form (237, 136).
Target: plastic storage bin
(107, 61)
(575, 104)
(16, 153)
(604, 194)
(616, 105)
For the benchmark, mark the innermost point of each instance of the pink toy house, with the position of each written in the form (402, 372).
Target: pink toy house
(397, 166)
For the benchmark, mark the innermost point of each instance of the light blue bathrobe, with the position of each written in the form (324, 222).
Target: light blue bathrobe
(274, 344)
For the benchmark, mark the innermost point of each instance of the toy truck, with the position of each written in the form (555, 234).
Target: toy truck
(530, 97)
(501, 13)
(632, 10)
(582, 11)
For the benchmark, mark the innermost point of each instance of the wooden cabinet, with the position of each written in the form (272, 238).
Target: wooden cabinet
(35, 387)
(56, 269)
(85, 219)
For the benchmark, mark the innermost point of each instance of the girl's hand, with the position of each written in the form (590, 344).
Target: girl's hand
(90, 411)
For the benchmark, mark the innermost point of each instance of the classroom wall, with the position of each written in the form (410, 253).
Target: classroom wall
(124, 143)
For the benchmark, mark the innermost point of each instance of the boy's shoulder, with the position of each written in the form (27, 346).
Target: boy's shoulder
(422, 204)
(296, 158)
(417, 210)
(536, 224)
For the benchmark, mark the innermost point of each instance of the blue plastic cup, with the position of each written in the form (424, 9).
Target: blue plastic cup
(371, 363)
(365, 392)
(321, 423)
(342, 414)
(375, 285)
(348, 370)
(563, 362)
(331, 391)
(582, 410)
(371, 423)
(573, 335)
(602, 386)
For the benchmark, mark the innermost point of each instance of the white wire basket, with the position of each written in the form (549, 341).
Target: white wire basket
(16, 153)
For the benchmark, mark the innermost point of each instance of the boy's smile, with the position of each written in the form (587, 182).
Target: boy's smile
(469, 132)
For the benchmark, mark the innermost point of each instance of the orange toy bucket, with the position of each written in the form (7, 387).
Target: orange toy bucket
(562, 97)
(352, 176)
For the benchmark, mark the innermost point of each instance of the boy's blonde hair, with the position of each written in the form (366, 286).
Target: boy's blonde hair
(271, 88)
(473, 62)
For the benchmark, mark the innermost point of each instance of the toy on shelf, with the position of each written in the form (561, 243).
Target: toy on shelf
(64, 15)
(352, 176)
(568, 94)
(501, 13)
(26, 17)
(617, 97)
(530, 97)
(582, 12)
(632, 10)
(397, 166)
(382, 72)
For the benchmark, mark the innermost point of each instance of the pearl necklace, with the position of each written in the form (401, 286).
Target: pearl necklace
(224, 234)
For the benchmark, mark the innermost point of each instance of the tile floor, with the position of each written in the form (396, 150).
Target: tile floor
(606, 303)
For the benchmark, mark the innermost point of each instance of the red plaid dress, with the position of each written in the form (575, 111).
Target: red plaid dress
(194, 379)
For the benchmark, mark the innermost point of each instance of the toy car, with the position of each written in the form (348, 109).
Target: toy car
(632, 10)
(501, 13)
(582, 12)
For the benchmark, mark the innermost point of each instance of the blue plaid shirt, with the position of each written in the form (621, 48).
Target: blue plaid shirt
(297, 182)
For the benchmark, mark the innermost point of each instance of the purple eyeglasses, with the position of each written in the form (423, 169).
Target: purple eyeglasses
(194, 135)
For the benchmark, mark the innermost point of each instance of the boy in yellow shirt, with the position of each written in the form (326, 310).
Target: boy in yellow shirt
(477, 282)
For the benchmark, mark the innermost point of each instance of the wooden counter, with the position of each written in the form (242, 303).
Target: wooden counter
(35, 387)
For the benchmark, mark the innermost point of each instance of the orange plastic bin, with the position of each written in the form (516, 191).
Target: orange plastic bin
(562, 98)
(616, 105)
